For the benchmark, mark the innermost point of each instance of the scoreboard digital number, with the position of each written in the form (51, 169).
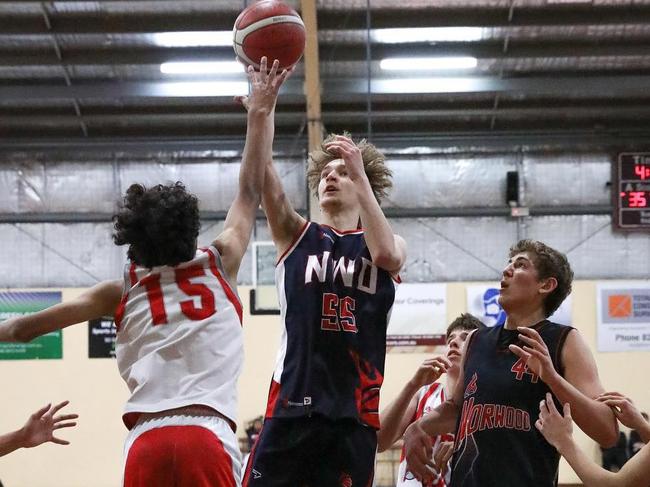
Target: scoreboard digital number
(632, 191)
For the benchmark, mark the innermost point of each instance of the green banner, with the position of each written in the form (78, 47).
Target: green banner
(14, 304)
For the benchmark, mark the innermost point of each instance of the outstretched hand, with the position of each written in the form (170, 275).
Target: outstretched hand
(557, 429)
(265, 86)
(41, 425)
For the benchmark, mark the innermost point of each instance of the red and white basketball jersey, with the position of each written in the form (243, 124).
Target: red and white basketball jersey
(179, 339)
(429, 397)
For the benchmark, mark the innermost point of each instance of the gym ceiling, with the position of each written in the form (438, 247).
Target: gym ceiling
(80, 72)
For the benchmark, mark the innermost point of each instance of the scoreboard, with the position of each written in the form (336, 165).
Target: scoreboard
(631, 191)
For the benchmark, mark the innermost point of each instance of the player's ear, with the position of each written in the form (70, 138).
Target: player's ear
(548, 285)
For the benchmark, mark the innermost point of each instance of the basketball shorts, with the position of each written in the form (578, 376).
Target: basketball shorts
(312, 452)
(182, 451)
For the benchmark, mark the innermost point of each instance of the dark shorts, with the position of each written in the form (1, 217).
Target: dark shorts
(312, 452)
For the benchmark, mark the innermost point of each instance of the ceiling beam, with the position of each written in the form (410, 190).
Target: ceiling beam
(152, 55)
(171, 19)
(217, 118)
(596, 86)
(495, 140)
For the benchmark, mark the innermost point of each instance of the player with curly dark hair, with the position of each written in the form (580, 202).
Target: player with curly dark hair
(160, 224)
(178, 316)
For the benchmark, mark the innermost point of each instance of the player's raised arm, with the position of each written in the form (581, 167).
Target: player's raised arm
(284, 221)
(395, 418)
(100, 300)
(557, 429)
(233, 241)
(388, 250)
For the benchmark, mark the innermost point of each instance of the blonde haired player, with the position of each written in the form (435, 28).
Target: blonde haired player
(179, 345)
(336, 283)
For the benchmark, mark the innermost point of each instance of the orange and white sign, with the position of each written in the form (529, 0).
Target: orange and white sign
(623, 316)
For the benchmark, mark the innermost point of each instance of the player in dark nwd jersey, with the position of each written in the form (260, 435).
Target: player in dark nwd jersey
(507, 370)
(179, 339)
(420, 396)
(336, 285)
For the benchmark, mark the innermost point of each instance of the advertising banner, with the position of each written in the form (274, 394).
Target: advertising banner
(419, 317)
(623, 316)
(17, 303)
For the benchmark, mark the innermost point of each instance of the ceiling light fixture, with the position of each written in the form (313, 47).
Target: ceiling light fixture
(427, 34)
(428, 63)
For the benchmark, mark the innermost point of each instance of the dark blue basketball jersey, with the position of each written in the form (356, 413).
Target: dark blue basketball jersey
(335, 306)
(497, 443)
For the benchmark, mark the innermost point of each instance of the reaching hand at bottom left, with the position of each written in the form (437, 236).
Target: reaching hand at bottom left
(41, 425)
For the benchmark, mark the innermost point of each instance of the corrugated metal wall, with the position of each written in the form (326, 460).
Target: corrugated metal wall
(442, 203)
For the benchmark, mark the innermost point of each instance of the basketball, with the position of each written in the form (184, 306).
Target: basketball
(269, 28)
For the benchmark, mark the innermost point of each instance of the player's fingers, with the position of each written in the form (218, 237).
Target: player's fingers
(534, 351)
(537, 345)
(567, 411)
(59, 406)
(550, 404)
(59, 441)
(64, 425)
(519, 352)
(282, 77)
(613, 397)
(443, 454)
(345, 143)
(39, 414)
(539, 424)
(65, 417)
(263, 68)
(274, 69)
(443, 361)
(616, 404)
(242, 100)
(529, 332)
(543, 409)
(333, 147)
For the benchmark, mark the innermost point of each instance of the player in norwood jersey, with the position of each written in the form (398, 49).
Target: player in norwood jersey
(179, 339)
(506, 372)
(336, 285)
(420, 396)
